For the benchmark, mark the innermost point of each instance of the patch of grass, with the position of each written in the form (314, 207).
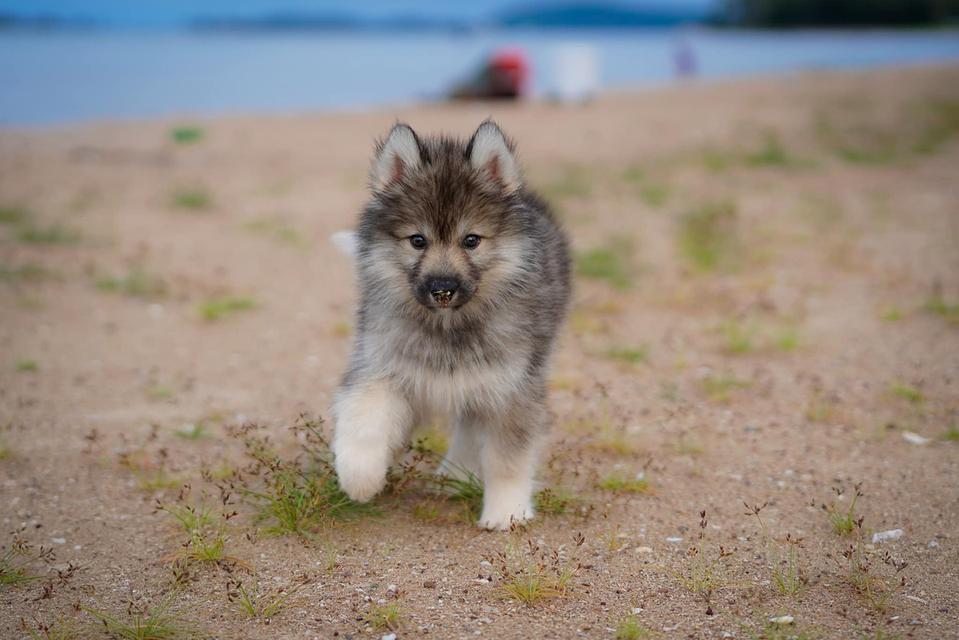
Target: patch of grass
(619, 483)
(654, 194)
(704, 573)
(738, 338)
(53, 234)
(952, 434)
(13, 215)
(948, 311)
(788, 575)
(157, 391)
(720, 388)
(780, 631)
(609, 263)
(431, 441)
(136, 283)
(262, 604)
(629, 628)
(607, 435)
(157, 622)
(16, 559)
(771, 153)
(708, 236)
(186, 134)
(717, 160)
(59, 630)
(787, 339)
(844, 521)
(276, 229)
(891, 314)
(296, 497)
(27, 365)
(868, 577)
(629, 355)
(219, 308)
(463, 488)
(191, 199)
(28, 272)
(554, 501)
(907, 392)
(195, 431)
(384, 617)
(535, 574)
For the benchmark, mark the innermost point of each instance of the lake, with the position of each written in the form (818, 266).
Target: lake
(66, 76)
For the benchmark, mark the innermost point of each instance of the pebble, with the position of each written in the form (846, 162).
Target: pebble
(674, 539)
(389, 636)
(782, 620)
(914, 438)
(933, 544)
(883, 536)
(58, 540)
(644, 550)
(486, 563)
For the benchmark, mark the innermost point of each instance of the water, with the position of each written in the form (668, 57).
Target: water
(58, 77)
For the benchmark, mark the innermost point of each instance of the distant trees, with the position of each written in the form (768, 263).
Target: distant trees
(836, 13)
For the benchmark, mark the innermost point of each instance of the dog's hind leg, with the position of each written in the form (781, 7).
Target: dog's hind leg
(508, 457)
(463, 457)
(372, 422)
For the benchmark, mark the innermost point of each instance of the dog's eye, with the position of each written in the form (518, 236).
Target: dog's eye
(471, 241)
(418, 242)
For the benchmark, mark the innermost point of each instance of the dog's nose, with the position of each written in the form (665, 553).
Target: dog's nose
(442, 290)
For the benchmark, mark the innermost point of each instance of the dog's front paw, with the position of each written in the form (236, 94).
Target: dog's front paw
(361, 476)
(501, 517)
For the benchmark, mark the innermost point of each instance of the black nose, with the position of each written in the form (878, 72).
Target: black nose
(442, 290)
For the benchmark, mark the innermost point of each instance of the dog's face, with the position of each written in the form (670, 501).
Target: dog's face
(442, 231)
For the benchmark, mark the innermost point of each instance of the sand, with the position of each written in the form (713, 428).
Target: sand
(775, 345)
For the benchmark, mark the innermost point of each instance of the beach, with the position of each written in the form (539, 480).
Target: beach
(766, 310)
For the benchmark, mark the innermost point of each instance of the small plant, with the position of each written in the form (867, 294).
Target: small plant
(554, 502)
(951, 434)
(862, 572)
(219, 308)
(463, 487)
(629, 355)
(772, 153)
(258, 603)
(186, 134)
(144, 622)
(720, 388)
(27, 366)
(844, 521)
(619, 483)
(891, 314)
(738, 337)
(13, 215)
(610, 263)
(59, 630)
(937, 305)
(54, 234)
(787, 572)
(708, 236)
(15, 561)
(629, 628)
(535, 575)
(191, 199)
(28, 272)
(907, 392)
(654, 194)
(384, 617)
(704, 573)
(195, 431)
(788, 339)
(136, 283)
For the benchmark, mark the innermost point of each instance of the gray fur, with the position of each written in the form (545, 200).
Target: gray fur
(482, 360)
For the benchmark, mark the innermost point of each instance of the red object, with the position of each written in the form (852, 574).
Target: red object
(510, 70)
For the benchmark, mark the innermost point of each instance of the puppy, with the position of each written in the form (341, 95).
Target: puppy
(464, 281)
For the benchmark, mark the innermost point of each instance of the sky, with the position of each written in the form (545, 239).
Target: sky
(171, 12)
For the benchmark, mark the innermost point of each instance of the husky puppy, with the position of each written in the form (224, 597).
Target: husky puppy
(463, 278)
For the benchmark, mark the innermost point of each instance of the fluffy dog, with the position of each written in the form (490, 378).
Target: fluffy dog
(463, 278)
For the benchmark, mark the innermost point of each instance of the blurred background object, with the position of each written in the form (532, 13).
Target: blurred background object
(64, 61)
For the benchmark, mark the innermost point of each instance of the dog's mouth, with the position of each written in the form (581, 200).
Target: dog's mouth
(443, 298)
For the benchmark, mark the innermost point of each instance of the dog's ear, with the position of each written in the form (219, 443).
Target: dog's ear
(491, 153)
(396, 156)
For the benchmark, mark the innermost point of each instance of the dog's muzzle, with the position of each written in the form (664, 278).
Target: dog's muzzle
(442, 290)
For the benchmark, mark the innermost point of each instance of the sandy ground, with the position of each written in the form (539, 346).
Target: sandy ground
(783, 343)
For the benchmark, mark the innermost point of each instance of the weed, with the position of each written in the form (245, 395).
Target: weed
(772, 153)
(654, 194)
(191, 199)
(219, 308)
(432, 442)
(258, 603)
(787, 572)
(144, 622)
(462, 487)
(951, 434)
(26, 365)
(186, 134)
(704, 574)
(610, 263)
(738, 338)
(607, 435)
(891, 314)
(13, 215)
(384, 617)
(780, 631)
(720, 388)
(862, 572)
(629, 355)
(619, 483)
(15, 560)
(277, 230)
(28, 272)
(535, 574)
(907, 392)
(60, 630)
(54, 234)
(136, 283)
(708, 236)
(629, 628)
(554, 502)
(937, 305)
(844, 521)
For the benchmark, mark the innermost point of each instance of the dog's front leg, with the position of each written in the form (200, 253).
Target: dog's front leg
(372, 423)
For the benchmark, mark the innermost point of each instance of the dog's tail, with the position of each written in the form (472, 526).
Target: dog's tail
(345, 241)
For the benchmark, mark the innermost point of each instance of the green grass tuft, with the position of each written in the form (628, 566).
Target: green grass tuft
(906, 392)
(186, 134)
(629, 628)
(191, 199)
(158, 622)
(384, 617)
(772, 153)
(136, 283)
(937, 305)
(610, 263)
(708, 236)
(54, 234)
(13, 215)
(952, 434)
(27, 365)
(720, 388)
(219, 308)
(619, 483)
(629, 355)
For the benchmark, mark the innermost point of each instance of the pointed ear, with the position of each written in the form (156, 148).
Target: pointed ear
(395, 157)
(491, 153)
